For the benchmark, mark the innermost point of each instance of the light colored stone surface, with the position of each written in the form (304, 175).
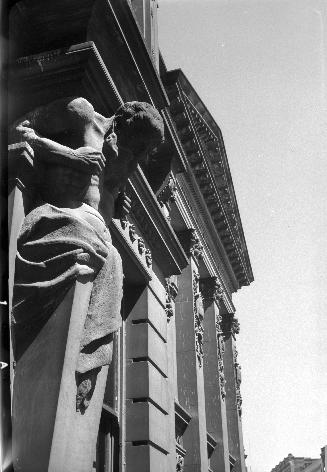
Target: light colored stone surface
(48, 433)
(146, 459)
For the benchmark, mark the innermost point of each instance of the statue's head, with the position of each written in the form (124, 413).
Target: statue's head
(136, 128)
(139, 127)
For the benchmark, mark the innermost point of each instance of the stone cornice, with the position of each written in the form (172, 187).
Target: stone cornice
(80, 65)
(193, 211)
(203, 145)
(47, 26)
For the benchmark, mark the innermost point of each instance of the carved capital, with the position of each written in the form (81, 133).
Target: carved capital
(211, 290)
(191, 243)
(230, 326)
(171, 294)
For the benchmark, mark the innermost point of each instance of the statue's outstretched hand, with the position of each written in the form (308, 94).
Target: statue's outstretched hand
(111, 142)
(26, 133)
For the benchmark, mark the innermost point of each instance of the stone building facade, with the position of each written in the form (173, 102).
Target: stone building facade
(172, 399)
(300, 464)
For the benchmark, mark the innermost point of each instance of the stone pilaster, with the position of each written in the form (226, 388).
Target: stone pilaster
(214, 378)
(230, 327)
(147, 399)
(189, 348)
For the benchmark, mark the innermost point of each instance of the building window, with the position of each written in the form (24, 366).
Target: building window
(107, 449)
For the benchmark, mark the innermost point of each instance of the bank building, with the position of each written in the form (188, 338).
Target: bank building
(160, 390)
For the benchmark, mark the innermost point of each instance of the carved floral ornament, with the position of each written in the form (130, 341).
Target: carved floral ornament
(220, 357)
(238, 381)
(133, 236)
(198, 317)
(171, 294)
(179, 462)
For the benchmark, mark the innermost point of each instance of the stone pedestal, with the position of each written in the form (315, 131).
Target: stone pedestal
(45, 388)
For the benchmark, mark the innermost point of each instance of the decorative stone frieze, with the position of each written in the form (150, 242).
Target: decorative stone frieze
(159, 236)
(198, 318)
(191, 243)
(133, 236)
(171, 294)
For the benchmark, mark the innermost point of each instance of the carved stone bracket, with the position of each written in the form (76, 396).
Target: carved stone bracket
(220, 355)
(211, 290)
(198, 318)
(182, 419)
(171, 294)
(230, 326)
(166, 195)
(191, 243)
(235, 327)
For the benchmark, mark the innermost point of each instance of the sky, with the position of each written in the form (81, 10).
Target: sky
(260, 67)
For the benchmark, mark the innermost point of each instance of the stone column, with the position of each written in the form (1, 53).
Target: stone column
(233, 395)
(189, 348)
(214, 378)
(171, 293)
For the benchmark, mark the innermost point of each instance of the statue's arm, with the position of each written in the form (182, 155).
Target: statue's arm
(85, 159)
(55, 117)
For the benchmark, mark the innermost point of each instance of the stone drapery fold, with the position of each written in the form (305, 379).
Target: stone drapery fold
(51, 244)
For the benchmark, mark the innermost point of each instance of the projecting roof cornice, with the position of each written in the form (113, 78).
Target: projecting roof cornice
(204, 148)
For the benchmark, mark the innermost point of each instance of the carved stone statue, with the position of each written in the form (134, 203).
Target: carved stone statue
(81, 159)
